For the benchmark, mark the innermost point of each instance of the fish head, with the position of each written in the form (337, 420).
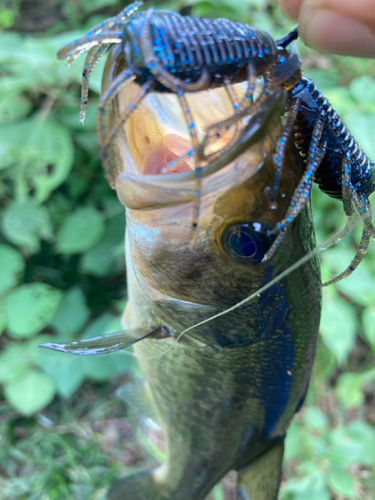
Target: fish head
(152, 163)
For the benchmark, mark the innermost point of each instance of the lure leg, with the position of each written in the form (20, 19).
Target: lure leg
(347, 193)
(260, 480)
(279, 155)
(303, 190)
(198, 166)
(92, 58)
(361, 252)
(345, 187)
(97, 35)
(97, 41)
(243, 111)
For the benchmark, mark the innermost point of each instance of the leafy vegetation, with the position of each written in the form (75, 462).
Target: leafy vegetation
(64, 435)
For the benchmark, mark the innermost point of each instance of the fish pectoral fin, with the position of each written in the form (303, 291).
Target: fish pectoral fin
(137, 395)
(108, 343)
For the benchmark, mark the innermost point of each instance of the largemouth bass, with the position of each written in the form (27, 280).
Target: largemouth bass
(222, 386)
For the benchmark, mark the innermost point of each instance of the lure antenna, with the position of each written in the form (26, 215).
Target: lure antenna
(288, 39)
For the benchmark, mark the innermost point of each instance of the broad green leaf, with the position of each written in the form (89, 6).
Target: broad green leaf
(40, 153)
(87, 140)
(338, 325)
(368, 322)
(72, 312)
(25, 224)
(3, 316)
(30, 308)
(310, 487)
(101, 259)
(7, 18)
(361, 126)
(30, 393)
(341, 482)
(13, 85)
(293, 442)
(359, 286)
(340, 99)
(364, 435)
(101, 368)
(15, 360)
(218, 493)
(10, 42)
(67, 372)
(362, 89)
(315, 418)
(11, 266)
(350, 447)
(349, 390)
(80, 231)
(14, 108)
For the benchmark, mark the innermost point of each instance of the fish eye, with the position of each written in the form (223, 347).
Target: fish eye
(246, 242)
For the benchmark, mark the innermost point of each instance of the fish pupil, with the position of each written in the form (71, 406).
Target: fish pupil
(243, 244)
(246, 242)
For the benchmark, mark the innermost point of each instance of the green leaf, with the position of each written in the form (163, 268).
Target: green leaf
(349, 390)
(11, 266)
(72, 312)
(25, 224)
(293, 441)
(350, 447)
(363, 435)
(80, 231)
(67, 372)
(14, 361)
(7, 18)
(14, 108)
(30, 308)
(101, 259)
(30, 393)
(362, 89)
(40, 153)
(341, 482)
(361, 126)
(340, 99)
(3, 316)
(218, 493)
(311, 487)
(368, 322)
(359, 286)
(338, 325)
(314, 418)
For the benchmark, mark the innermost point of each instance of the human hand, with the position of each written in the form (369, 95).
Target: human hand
(345, 27)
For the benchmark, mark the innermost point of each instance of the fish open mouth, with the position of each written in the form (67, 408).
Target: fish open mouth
(165, 136)
(170, 148)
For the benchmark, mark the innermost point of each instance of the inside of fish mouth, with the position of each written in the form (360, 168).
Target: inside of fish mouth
(162, 138)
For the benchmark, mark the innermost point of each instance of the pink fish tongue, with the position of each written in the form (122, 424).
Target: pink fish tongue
(160, 158)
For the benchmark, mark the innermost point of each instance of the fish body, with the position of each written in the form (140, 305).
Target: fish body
(224, 393)
(222, 379)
